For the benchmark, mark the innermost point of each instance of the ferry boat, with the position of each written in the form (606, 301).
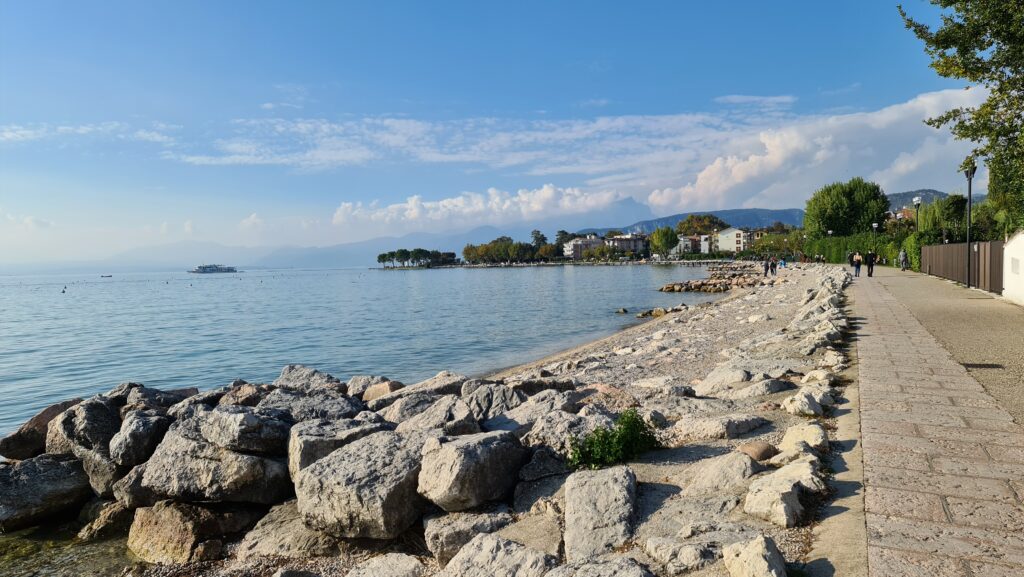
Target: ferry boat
(212, 268)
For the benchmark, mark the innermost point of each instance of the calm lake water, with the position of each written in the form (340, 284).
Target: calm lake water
(173, 330)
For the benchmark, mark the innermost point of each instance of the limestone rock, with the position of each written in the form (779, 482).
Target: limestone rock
(247, 429)
(462, 472)
(520, 419)
(87, 426)
(543, 463)
(758, 450)
(723, 377)
(358, 384)
(170, 532)
(760, 388)
(245, 394)
(108, 519)
(142, 398)
(310, 441)
(307, 379)
(558, 429)
(138, 437)
(315, 403)
(129, 490)
(408, 407)
(30, 439)
(704, 428)
(776, 497)
(378, 390)
(599, 509)
(816, 375)
(443, 383)
(281, 533)
(364, 489)
(619, 567)
(540, 530)
(803, 404)
(490, 400)
(39, 487)
(496, 557)
(676, 557)
(756, 558)
(446, 533)
(811, 433)
(187, 467)
(389, 565)
(721, 474)
(448, 414)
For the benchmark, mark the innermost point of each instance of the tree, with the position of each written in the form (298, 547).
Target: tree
(402, 255)
(613, 233)
(392, 257)
(981, 41)
(382, 259)
(845, 208)
(562, 237)
(539, 239)
(419, 256)
(696, 224)
(663, 240)
(549, 252)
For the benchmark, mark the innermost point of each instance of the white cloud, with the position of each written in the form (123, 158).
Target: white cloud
(750, 100)
(24, 221)
(251, 222)
(493, 207)
(152, 136)
(188, 227)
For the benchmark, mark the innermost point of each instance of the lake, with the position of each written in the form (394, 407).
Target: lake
(173, 330)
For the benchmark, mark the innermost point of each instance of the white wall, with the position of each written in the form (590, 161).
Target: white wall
(1013, 269)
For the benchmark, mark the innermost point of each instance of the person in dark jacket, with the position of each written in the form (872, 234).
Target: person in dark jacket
(870, 260)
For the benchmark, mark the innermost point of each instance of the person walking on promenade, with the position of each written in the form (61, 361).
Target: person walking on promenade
(904, 261)
(773, 265)
(870, 261)
(855, 260)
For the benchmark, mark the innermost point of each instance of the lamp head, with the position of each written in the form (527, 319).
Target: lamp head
(917, 201)
(971, 169)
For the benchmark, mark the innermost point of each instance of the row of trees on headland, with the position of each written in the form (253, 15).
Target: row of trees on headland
(505, 250)
(417, 257)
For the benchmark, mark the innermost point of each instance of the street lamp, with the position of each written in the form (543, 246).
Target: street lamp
(830, 234)
(969, 173)
(917, 214)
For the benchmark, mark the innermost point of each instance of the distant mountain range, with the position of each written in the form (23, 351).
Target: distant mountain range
(901, 199)
(738, 217)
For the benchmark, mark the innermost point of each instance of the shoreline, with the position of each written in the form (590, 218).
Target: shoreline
(709, 379)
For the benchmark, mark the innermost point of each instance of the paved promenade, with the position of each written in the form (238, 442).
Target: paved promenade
(943, 462)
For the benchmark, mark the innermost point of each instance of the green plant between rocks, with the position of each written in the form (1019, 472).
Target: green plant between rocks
(605, 446)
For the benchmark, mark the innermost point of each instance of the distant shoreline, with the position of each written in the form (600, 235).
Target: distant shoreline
(692, 263)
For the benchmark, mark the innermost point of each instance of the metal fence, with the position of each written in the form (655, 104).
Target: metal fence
(950, 261)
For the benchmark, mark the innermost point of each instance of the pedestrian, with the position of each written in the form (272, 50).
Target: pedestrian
(766, 265)
(773, 265)
(855, 260)
(904, 261)
(849, 258)
(870, 260)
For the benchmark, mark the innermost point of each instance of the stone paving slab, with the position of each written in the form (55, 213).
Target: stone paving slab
(943, 461)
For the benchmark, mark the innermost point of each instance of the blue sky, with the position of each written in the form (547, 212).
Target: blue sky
(264, 123)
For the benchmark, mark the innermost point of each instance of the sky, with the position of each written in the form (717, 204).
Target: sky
(131, 124)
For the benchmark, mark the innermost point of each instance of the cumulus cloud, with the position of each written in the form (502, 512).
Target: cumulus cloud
(251, 222)
(24, 221)
(493, 207)
(750, 100)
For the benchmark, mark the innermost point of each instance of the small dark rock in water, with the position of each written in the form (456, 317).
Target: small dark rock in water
(621, 311)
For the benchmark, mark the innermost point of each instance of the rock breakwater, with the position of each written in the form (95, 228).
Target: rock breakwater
(461, 476)
(725, 278)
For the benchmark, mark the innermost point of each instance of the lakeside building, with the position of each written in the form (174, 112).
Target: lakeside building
(687, 244)
(733, 240)
(707, 243)
(575, 247)
(633, 242)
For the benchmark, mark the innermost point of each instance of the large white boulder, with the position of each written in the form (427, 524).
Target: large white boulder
(459, 473)
(599, 509)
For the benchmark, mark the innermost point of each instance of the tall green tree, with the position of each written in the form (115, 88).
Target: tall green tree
(402, 255)
(845, 208)
(982, 42)
(382, 259)
(538, 239)
(695, 224)
(663, 240)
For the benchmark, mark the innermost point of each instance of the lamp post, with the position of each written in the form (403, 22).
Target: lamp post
(917, 213)
(969, 173)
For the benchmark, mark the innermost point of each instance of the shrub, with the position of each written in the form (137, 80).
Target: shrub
(629, 437)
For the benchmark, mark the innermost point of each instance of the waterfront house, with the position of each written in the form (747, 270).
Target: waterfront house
(733, 240)
(575, 247)
(634, 242)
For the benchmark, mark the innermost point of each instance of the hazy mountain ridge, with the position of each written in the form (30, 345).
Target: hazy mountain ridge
(738, 217)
